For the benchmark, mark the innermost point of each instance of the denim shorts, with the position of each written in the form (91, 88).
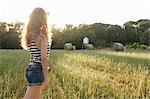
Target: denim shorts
(34, 74)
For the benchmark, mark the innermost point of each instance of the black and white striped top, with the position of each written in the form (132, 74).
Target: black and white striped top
(35, 53)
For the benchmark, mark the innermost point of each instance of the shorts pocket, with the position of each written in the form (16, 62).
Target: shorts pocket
(34, 75)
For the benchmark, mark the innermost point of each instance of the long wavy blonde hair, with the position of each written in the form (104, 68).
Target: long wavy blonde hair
(37, 20)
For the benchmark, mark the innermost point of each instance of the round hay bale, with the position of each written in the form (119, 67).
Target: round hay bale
(74, 47)
(68, 46)
(148, 48)
(118, 47)
(90, 46)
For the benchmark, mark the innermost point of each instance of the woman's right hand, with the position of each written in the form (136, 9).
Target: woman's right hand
(45, 84)
(44, 29)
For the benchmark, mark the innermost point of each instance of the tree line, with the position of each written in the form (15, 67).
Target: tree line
(10, 35)
(101, 35)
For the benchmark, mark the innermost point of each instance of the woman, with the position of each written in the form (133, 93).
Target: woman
(35, 40)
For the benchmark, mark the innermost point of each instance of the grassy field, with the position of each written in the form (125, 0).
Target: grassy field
(97, 74)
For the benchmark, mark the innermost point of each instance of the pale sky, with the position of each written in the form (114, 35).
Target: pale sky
(77, 11)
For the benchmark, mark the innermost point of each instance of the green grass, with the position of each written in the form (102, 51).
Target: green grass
(96, 74)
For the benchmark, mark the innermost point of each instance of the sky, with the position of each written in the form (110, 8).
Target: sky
(76, 12)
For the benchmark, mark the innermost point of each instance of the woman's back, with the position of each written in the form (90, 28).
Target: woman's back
(35, 52)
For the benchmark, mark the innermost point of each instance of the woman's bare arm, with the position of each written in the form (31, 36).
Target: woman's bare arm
(44, 58)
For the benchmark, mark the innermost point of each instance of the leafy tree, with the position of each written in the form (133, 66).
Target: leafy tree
(9, 35)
